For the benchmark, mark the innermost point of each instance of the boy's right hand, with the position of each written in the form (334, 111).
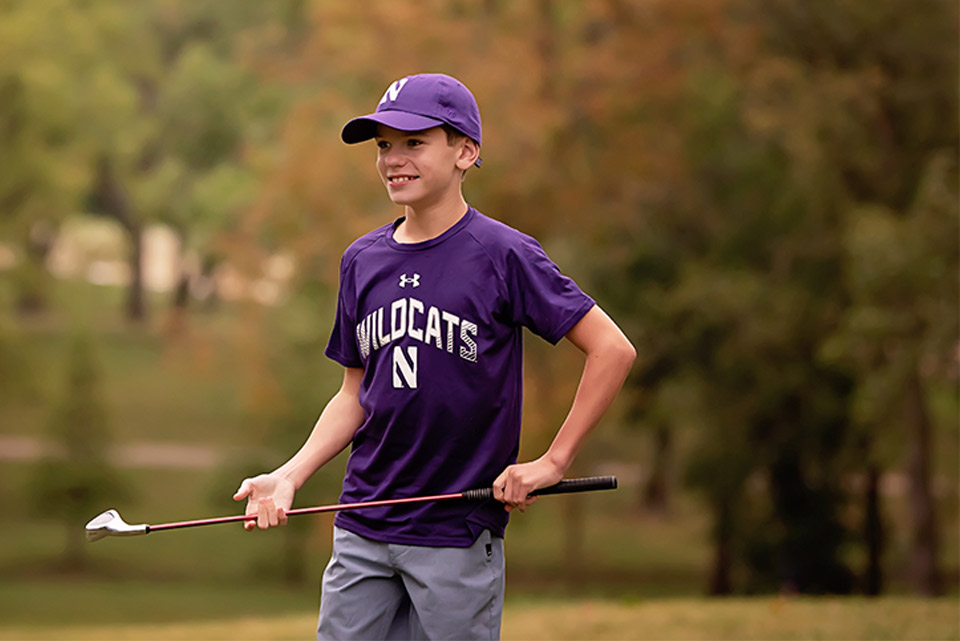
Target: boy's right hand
(269, 496)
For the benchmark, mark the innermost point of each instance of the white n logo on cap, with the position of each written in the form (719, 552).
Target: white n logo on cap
(393, 91)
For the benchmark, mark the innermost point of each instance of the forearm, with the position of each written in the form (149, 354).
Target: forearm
(332, 433)
(604, 373)
(609, 356)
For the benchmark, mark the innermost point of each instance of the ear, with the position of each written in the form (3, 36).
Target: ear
(469, 152)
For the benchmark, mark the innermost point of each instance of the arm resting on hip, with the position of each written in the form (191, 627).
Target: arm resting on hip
(609, 356)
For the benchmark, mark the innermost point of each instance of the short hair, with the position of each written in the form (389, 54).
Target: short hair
(453, 134)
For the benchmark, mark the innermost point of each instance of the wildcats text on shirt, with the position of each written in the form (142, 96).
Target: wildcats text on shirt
(444, 330)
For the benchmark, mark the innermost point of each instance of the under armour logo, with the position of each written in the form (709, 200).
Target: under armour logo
(393, 91)
(414, 280)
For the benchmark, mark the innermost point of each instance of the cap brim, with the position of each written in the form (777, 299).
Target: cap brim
(365, 127)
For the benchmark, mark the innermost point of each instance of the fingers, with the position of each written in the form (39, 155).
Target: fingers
(260, 504)
(269, 515)
(499, 486)
(244, 491)
(500, 490)
(251, 509)
(515, 484)
(266, 513)
(513, 490)
(522, 506)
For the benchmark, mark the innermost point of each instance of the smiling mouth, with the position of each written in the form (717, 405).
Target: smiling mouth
(399, 180)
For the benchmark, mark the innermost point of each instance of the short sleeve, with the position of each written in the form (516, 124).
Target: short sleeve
(342, 346)
(542, 299)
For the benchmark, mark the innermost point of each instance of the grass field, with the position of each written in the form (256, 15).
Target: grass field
(682, 619)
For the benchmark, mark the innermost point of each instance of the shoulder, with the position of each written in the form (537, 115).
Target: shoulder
(368, 240)
(500, 240)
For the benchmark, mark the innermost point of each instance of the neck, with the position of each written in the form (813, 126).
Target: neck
(423, 222)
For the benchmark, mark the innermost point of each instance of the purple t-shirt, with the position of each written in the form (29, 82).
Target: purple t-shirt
(437, 328)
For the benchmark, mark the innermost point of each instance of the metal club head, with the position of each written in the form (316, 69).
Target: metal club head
(110, 523)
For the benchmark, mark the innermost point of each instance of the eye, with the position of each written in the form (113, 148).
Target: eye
(414, 142)
(382, 144)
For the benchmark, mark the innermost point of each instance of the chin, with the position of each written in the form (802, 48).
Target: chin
(403, 199)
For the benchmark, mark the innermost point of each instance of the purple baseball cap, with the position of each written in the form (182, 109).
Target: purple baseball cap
(420, 102)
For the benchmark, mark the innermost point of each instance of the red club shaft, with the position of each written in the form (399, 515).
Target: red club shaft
(480, 494)
(337, 507)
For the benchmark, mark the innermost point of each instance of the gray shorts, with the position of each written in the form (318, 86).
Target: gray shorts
(374, 590)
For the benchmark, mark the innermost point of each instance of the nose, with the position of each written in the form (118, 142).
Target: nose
(392, 157)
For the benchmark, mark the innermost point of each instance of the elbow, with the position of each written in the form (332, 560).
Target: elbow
(620, 355)
(626, 354)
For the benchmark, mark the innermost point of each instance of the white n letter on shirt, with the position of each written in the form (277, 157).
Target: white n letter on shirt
(404, 369)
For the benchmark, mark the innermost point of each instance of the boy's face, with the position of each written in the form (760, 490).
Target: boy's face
(419, 168)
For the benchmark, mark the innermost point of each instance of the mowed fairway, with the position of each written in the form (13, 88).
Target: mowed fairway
(760, 618)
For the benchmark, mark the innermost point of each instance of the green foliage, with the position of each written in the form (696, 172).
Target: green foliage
(122, 109)
(901, 271)
(17, 375)
(72, 488)
(787, 281)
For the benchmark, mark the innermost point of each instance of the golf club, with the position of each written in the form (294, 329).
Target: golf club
(110, 523)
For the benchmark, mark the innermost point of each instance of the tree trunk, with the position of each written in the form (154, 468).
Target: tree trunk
(656, 492)
(177, 316)
(923, 566)
(31, 295)
(873, 534)
(546, 50)
(31, 278)
(180, 300)
(74, 557)
(573, 539)
(208, 279)
(720, 583)
(136, 304)
(114, 202)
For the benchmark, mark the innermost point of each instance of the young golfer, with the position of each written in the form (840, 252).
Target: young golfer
(429, 325)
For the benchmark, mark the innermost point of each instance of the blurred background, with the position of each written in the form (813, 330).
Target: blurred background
(762, 193)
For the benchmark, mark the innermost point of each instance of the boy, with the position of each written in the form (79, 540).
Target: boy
(428, 328)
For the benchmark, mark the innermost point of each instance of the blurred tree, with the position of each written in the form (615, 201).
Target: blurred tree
(44, 48)
(901, 332)
(17, 371)
(140, 112)
(782, 126)
(68, 115)
(199, 112)
(214, 111)
(73, 487)
(884, 79)
(724, 283)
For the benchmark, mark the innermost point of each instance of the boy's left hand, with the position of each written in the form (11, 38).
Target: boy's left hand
(515, 483)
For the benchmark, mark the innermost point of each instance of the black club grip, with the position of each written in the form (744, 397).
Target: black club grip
(568, 486)
(588, 484)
